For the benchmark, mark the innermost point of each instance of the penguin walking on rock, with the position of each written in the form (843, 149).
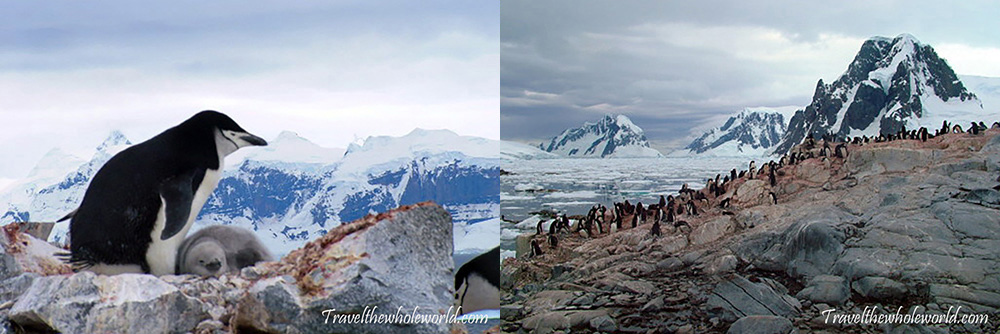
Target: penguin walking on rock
(140, 205)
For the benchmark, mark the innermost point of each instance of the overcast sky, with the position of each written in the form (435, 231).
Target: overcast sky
(676, 65)
(72, 71)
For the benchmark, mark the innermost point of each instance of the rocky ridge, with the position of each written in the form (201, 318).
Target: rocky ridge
(902, 225)
(401, 258)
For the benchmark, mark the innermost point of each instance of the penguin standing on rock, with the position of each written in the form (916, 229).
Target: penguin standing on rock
(535, 249)
(140, 204)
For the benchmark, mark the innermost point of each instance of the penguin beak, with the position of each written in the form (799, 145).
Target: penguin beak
(253, 140)
(213, 266)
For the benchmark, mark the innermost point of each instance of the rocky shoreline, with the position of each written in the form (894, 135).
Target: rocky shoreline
(903, 223)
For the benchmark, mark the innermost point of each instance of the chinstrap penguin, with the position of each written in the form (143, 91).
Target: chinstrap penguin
(477, 283)
(140, 204)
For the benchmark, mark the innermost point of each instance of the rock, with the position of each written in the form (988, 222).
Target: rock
(271, 305)
(751, 192)
(399, 259)
(550, 321)
(12, 288)
(880, 288)
(511, 311)
(559, 269)
(813, 172)
(8, 264)
(721, 264)
(653, 305)
(522, 245)
(983, 196)
(977, 299)
(669, 264)
(808, 247)
(638, 287)
(826, 289)
(886, 159)
(738, 297)
(693, 256)
(30, 254)
(712, 230)
(40, 231)
(586, 299)
(686, 329)
(210, 326)
(88, 303)
(762, 324)
(603, 323)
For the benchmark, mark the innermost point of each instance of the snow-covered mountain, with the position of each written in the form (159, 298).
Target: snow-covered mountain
(518, 151)
(751, 132)
(987, 89)
(891, 83)
(610, 137)
(293, 190)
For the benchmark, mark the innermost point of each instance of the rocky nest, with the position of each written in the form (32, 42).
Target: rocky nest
(401, 258)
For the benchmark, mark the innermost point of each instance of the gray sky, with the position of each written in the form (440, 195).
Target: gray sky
(72, 71)
(674, 66)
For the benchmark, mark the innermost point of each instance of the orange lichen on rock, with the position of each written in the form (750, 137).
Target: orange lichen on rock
(315, 261)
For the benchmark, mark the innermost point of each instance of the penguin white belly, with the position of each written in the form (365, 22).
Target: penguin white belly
(476, 293)
(162, 254)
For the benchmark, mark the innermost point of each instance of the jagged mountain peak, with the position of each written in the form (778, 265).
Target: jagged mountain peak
(611, 136)
(891, 83)
(749, 132)
(115, 138)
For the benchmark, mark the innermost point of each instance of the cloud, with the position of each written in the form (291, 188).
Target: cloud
(330, 71)
(965, 59)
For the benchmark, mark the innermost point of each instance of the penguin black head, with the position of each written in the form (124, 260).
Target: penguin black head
(231, 135)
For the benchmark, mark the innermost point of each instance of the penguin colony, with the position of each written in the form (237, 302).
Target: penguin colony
(140, 205)
(718, 191)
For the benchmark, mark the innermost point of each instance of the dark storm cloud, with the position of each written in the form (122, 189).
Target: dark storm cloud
(673, 65)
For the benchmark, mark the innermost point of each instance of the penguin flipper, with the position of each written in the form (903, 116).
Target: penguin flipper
(247, 257)
(177, 193)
